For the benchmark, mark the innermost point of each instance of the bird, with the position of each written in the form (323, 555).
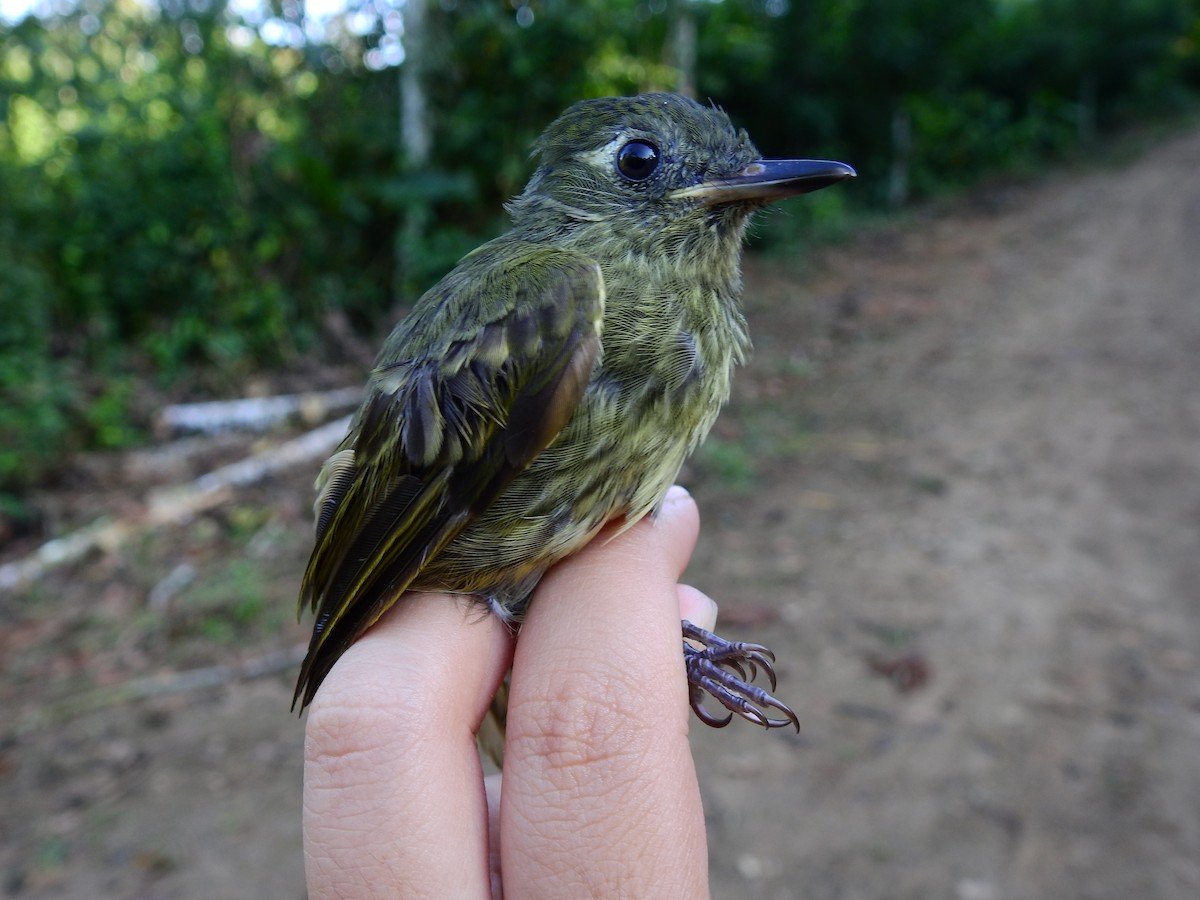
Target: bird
(555, 381)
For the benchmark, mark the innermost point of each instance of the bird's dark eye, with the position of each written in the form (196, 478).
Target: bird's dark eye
(637, 160)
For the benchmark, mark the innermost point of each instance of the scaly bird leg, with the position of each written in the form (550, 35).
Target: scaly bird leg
(718, 668)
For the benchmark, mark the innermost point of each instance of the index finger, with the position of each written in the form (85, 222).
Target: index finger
(393, 790)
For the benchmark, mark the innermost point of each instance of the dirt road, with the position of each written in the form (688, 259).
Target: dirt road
(967, 452)
(1006, 475)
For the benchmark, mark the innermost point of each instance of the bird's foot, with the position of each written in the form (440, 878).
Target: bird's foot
(718, 668)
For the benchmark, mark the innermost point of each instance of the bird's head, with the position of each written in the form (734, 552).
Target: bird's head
(655, 173)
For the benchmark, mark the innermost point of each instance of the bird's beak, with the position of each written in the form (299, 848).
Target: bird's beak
(767, 180)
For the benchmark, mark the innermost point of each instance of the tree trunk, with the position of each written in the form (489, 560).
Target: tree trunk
(901, 156)
(682, 48)
(416, 143)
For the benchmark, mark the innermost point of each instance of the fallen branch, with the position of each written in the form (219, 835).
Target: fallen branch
(68, 548)
(256, 413)
(174, 504)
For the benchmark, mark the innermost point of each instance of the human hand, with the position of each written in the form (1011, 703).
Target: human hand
(599, 798)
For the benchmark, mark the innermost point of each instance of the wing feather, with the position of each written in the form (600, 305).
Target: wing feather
(469, 389)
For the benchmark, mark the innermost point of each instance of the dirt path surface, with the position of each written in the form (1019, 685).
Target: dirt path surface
(958, 493)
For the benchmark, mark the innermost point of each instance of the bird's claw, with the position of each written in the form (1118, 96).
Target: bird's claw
(717, 667)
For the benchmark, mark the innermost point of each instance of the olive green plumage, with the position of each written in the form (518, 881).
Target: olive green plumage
(557, 378)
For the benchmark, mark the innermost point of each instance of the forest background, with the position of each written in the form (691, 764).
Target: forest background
(193, 191)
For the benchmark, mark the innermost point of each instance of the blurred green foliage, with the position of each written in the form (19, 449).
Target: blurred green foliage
(182, 203)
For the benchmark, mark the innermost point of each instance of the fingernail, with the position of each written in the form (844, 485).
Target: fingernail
(697, 607)
(675, 493)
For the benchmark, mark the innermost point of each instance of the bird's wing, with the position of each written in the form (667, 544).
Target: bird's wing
(474, 383)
